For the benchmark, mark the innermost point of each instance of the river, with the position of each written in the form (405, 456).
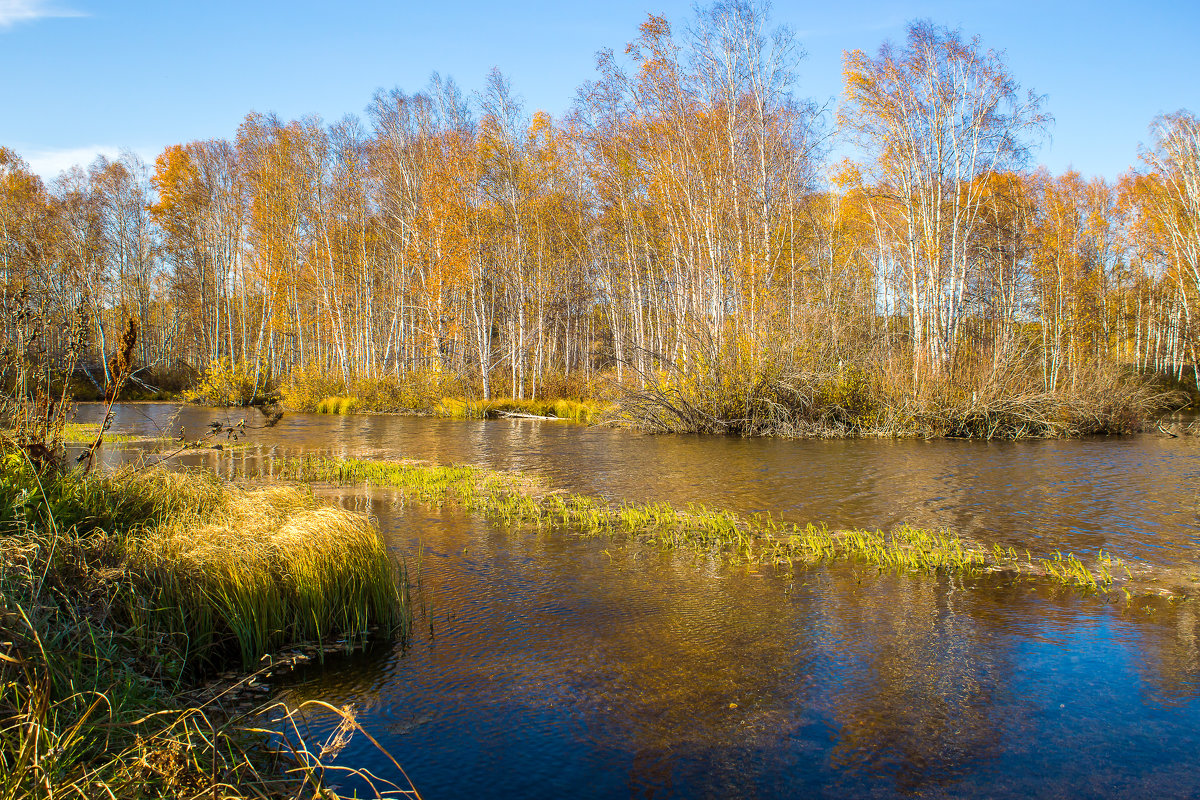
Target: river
(544, 664)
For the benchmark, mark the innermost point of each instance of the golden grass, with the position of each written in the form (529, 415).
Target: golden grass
(337, 405)
(268, 568)
(86, 432)
(118, 591)
(583, 412)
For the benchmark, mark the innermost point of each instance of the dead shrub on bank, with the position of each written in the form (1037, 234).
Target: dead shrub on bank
(778, 393)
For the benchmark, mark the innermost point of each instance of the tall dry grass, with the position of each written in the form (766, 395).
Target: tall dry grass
(263, 570)
(120, 592)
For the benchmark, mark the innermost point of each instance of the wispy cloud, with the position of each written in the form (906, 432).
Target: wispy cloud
(49, 162)
(14, 11)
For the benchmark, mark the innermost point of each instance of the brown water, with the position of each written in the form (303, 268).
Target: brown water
(547, 665)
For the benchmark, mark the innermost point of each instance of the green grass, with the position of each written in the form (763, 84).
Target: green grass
(85, 433)
(516, 499)
(119, 591)
(521, 500)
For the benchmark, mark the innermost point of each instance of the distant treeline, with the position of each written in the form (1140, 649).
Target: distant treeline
(681, 229)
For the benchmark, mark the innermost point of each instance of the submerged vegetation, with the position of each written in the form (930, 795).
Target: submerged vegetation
(521, 500)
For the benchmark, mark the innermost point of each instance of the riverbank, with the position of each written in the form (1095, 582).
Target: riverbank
(755, 399)
(125, 593)
(577, 411)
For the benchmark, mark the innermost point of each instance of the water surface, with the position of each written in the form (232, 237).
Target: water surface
(545, 664)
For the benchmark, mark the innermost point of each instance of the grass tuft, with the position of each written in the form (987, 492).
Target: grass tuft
(119, 591)
(337, 405)
(265, 570)
(583, 412)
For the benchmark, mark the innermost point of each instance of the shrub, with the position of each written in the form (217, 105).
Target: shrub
(229, 383)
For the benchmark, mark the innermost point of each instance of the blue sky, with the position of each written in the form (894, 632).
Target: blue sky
(88, 76)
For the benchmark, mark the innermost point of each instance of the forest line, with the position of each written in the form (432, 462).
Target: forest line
(681, 240)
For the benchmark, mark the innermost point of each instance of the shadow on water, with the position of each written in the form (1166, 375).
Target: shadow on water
(545, 664)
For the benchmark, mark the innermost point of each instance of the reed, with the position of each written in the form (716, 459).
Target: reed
(337, 405)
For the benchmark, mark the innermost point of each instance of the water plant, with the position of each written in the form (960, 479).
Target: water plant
(517, 499)
(584, 412)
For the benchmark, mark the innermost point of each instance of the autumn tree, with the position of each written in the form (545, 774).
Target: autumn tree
(933, 116)
(1170, 197)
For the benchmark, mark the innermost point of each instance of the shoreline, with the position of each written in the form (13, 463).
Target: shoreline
(1151, 426)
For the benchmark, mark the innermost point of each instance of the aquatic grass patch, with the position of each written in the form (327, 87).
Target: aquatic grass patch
(516, 499)
(457, 408)
(1070, 571)
(266, 569)
(582, 412)
(86, 433)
